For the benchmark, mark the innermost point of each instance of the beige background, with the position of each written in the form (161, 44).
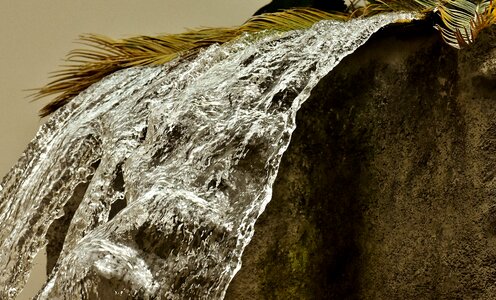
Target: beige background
(35, 36)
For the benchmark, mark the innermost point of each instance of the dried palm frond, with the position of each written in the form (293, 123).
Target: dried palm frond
(379, 6)
(463, 20)
(105, 55)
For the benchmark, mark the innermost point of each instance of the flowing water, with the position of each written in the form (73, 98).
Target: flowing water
(169, 168)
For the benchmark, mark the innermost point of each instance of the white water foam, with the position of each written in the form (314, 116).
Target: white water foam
(192, 148)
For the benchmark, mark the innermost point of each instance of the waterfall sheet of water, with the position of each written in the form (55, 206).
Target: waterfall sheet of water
(167, 168)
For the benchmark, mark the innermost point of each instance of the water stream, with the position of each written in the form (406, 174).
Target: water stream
(168, 168)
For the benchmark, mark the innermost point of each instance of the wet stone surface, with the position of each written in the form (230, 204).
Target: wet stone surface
(388, 188)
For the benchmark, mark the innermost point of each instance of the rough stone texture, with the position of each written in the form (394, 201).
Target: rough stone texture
(387, 190)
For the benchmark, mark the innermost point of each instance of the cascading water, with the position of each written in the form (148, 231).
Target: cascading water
(191, 147)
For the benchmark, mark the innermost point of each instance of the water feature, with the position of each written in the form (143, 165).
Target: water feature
(167, 168)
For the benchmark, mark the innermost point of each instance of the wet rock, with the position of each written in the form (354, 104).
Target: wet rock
(387, 190)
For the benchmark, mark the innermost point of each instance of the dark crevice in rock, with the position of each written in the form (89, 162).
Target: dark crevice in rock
(142, 135)
(58, 230)
(118, 187)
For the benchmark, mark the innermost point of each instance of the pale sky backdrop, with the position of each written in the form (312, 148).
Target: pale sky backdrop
(35, 35)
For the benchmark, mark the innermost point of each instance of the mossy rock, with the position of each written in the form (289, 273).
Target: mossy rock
(387, 190)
